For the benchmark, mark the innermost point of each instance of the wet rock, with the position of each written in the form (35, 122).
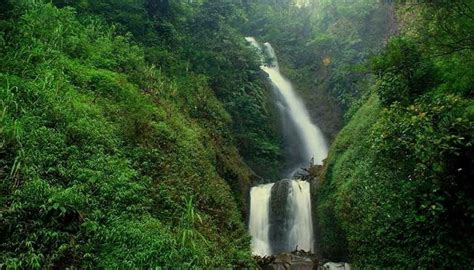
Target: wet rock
(280, 223)
(335, 266)
(290, 261)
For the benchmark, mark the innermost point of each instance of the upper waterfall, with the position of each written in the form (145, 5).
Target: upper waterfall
(303, 138)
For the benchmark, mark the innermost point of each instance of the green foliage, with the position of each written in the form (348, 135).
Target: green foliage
(444, 26)
(403, 74)
(182, 38)
(397, 181)
(222, 54)
(99, 150)
(401, 188)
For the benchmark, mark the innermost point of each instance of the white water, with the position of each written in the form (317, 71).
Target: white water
(309, 138)
(310, 144)
(259, 224)
(301, 231)
(253, 42)
(301, 234)
(312, 139)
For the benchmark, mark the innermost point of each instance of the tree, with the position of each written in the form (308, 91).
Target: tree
(403, 72)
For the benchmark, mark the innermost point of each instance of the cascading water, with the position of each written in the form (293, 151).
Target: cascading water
(303, 138)
(280, 213)
(259, 224)
(301, 234)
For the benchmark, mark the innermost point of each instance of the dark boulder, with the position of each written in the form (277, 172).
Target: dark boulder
(280, 221)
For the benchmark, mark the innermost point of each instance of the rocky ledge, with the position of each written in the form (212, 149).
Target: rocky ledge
(297, 260)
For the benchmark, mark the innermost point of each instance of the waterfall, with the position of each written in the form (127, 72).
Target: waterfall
(301, 233)
(259, 219)
(303, 138)
(280, 217)
(280, 213)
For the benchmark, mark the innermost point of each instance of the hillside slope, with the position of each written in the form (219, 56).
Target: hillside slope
(397, 189)
(110, 158)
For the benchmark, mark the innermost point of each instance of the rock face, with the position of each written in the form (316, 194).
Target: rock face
(297, 260)
(290, 261)
(280, 223)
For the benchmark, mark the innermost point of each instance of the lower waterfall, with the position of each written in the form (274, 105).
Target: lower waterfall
(301, 233)
(259, 223)
(280, 217)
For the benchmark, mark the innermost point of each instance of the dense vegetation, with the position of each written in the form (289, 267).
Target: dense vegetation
(202, 38)
(397, 189)
(119, 121)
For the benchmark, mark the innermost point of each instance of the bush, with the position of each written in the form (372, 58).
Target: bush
(402, 73)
